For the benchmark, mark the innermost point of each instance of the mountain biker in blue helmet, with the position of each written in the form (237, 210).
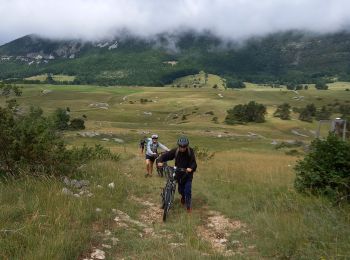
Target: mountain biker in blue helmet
(152, 153)
(184, 158)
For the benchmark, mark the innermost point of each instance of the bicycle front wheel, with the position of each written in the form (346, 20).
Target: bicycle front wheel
(168, 199)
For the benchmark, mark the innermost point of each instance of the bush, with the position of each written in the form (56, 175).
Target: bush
(292, 152)
(251, 112)
(321, 85)
(61, 119)
(31, 145)
(209, 113)
(283, 111)
(77, 124)
(232, 83)
(293, 86)
(323, 114)
(326, 169)
(307, 113)
(203, 153)
(289, 144)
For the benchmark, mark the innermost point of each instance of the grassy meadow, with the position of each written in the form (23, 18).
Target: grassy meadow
(58, 78)
(247, 180)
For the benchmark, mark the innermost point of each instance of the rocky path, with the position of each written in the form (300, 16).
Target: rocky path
(214, 229)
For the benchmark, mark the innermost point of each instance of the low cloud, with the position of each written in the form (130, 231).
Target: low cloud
(229, 19)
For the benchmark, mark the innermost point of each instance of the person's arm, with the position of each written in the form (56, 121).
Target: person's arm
(168, 156)
(193, 163)
(162, 146)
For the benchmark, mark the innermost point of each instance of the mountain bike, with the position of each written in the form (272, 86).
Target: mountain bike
(168, 194)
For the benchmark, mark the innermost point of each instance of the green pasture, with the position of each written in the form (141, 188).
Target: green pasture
(247, 179)
(58, 78)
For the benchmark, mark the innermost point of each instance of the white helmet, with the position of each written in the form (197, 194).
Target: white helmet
(155, 136)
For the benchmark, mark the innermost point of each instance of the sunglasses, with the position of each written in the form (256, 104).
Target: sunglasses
(183, 146)
(154, 138)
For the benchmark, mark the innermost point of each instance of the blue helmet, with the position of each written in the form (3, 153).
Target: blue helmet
(183, 141)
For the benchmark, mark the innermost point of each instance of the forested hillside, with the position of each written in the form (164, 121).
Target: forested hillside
(276, 58)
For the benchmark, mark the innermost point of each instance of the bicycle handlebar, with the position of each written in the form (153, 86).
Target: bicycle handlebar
(176, 169)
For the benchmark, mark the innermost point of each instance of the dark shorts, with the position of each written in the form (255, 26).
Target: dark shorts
(151, 158)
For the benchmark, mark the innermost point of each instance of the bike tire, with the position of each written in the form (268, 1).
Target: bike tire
(168, 199)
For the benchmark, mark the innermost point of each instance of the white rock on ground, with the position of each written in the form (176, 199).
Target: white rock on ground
(46, 91)
(111, 185)
(118, 140)
(98, 210)
(98, 254)
(114, 240)
(66, 181)
(67, 191)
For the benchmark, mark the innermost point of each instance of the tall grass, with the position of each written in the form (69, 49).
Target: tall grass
(38, 221)
(258, 189)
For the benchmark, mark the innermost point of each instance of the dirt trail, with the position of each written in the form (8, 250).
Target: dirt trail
(216, 229)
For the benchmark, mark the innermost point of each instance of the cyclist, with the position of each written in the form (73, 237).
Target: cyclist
(152, 153)
(142, 144)
(184, 158)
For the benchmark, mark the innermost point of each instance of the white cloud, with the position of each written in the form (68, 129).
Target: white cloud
(232, 19)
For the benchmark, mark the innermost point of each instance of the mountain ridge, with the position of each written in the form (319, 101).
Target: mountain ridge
(129, 60)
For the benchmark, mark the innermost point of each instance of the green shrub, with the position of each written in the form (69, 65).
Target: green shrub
(307, 113)
(32, 145)
(292, 152)
(77, 124)
(289, 144)
(234, 83)
(321, 85)
(61, 119)
(323, 114)
(203, 153)
(251, 112)
(326, 169)
(283, 111)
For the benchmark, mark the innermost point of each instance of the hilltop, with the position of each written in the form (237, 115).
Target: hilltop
(128, 60)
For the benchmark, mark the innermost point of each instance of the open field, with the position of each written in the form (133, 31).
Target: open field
(199, 80)
(58, 78)
(247, 182)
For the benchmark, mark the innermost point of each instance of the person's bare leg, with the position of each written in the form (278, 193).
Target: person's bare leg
(150, 167)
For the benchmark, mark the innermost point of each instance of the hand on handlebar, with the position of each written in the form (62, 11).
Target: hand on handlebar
(189, 170)
(160, 164)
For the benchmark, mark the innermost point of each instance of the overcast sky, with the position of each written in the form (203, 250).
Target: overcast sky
(231, 19)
